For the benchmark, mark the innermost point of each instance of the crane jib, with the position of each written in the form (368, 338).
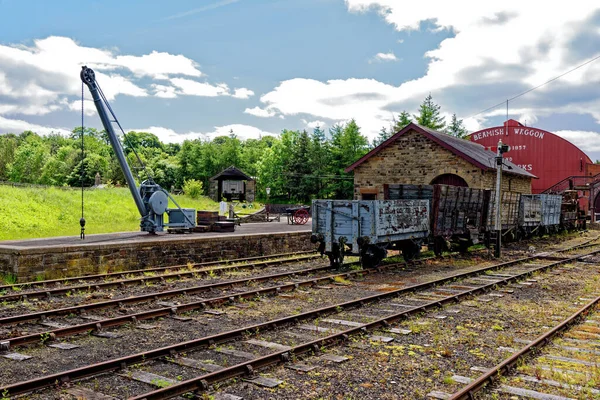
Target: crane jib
(151, 200)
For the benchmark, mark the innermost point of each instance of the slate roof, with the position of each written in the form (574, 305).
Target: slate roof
(232, 174)
(472, 152)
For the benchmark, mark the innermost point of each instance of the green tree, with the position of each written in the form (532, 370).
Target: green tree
(382, 136)
(456, 128)
(429, 115)
(348, 145)
(59, 166)
(319, 162)
(403, 120)
(396, 126)
(92, 164)
(300, 184)
(270, 173)
(29, 161)
(138, 140)
(8, 147)
(165, 172)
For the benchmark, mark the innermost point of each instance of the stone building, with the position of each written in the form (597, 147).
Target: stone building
(421, 156)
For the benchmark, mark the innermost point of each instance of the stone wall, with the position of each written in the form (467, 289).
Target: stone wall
(59, 262)
(415, 159)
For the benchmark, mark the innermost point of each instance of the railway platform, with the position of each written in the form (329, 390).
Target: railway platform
(58, 257)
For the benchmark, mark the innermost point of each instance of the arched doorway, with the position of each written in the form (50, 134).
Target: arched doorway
(449, 179)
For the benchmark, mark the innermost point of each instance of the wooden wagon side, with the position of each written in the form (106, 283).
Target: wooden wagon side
(368, 228)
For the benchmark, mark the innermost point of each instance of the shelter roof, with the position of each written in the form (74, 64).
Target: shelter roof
(472, 152)
(231, 174)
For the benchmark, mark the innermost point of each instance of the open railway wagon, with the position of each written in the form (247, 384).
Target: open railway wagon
(539, 214)
(572, 217)
(368, 228)
(524, 215)
(457, 213)
(509, 217)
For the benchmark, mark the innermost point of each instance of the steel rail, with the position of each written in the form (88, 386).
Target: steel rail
(492, 375)
(144, 279)
(202, 382)
(26, 285)
(122, 362)
(15, 319)
(184, 272)
(98, 325)
(155, 296)
(196, 305)
(155, 269)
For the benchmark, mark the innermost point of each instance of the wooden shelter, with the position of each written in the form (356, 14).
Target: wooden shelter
(232, 184)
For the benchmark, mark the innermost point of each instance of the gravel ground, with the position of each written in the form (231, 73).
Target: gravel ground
(92, 296)
(413, 365)
(94, 349)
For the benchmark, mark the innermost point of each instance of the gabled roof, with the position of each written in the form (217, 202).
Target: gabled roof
(232, 173)
(472, 152)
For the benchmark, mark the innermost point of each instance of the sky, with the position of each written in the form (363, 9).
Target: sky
(198, 69)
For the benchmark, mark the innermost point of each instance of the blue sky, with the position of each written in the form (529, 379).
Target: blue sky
(194, 69)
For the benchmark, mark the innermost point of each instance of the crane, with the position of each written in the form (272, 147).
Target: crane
(150, 199)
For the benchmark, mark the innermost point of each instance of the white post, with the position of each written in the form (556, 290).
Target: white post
(498, 226)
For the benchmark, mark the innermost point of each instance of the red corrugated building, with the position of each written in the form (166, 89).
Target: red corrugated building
(544, 154)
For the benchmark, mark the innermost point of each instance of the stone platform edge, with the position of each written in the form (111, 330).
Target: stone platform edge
(56, 262)
(153, 241)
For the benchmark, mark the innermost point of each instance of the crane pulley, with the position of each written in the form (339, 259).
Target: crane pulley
(151, 199)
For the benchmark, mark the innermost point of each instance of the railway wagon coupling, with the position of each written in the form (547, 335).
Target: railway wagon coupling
(443, 217)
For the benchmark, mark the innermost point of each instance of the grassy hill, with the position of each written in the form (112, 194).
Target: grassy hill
(45, 212)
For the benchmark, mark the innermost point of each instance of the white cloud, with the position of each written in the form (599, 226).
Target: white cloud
(490, 36)
(488, 57)
(159, 65)
(338, 100)
(44, 77)
(166, 92)
(242, 93)
(89, 108)
(242, 131)
(315, 124)
(194, 88)
(260, 112)
(18, 126)
(586, 140)
(167, 135)
(385, 57)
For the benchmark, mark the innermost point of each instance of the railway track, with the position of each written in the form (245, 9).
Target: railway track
(107, 281)
(97, 324)
(202, 382)
(492, 376)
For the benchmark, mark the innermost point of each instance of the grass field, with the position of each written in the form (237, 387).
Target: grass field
(45, 212)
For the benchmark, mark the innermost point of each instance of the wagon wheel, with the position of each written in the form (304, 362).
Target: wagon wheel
(301, 217)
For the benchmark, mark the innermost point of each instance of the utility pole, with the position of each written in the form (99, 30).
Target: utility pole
(502, 148)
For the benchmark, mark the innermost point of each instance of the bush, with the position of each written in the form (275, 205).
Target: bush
(192, 188)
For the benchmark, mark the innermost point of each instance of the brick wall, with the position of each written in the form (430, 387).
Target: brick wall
(415, 159)
(60, 262)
